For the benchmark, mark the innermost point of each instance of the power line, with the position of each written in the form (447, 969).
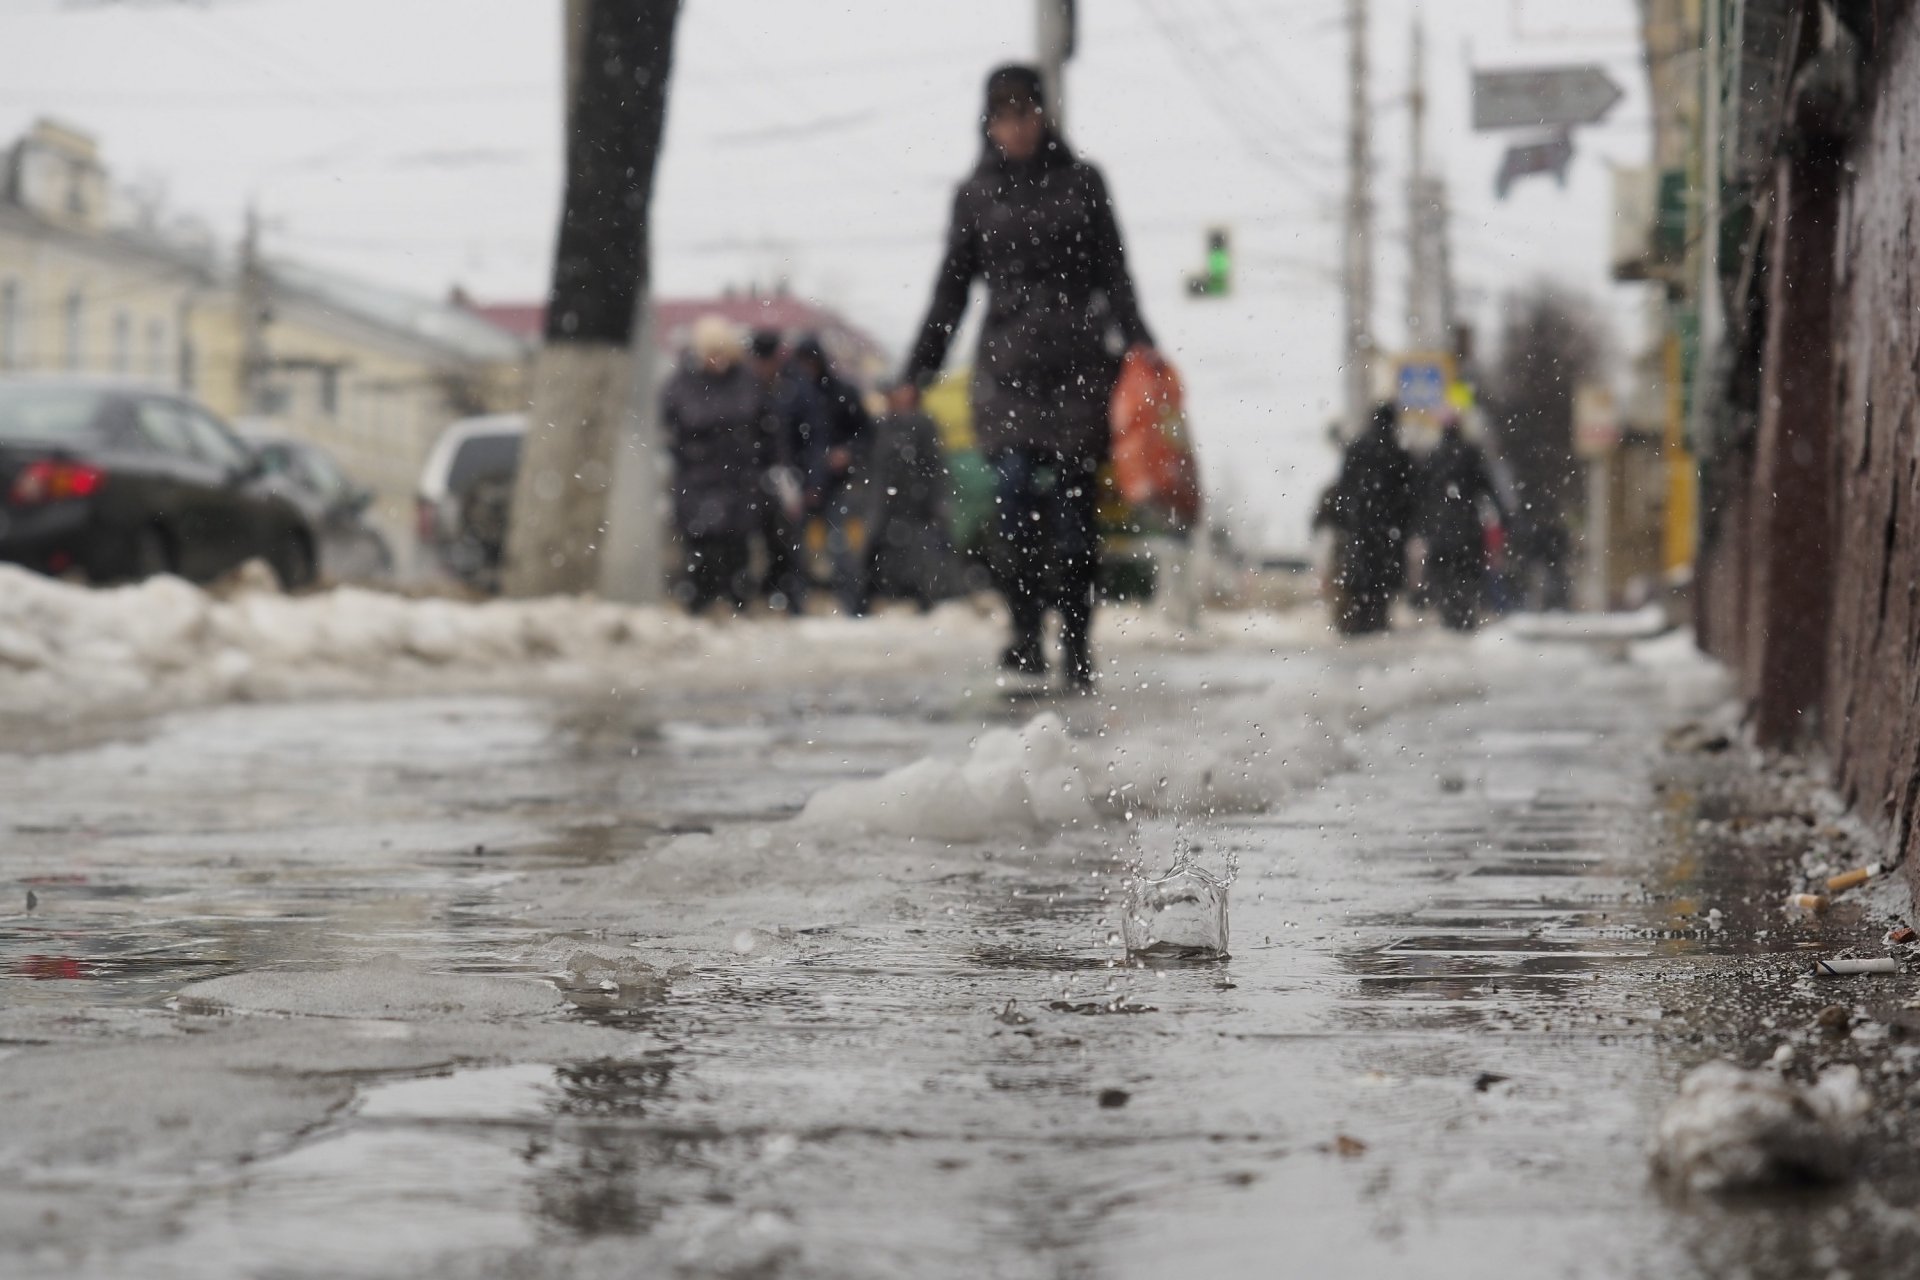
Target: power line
(1210, 89)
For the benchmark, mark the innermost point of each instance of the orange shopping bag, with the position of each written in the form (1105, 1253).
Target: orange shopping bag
(1153, 463)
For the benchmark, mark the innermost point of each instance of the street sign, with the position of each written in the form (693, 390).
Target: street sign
(1596, 421)
(1423, 382)
(1543, 97)
(1550, 155)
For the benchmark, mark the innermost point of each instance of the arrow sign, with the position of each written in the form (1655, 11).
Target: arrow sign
(1543, 97)
(1549, 155)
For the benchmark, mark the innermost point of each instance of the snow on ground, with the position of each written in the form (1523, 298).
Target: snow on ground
(74, 651)
(1241, 754)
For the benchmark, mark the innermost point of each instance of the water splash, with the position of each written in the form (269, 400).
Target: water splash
(1180, 916)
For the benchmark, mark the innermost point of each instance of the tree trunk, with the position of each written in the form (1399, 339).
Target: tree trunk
(593, 409)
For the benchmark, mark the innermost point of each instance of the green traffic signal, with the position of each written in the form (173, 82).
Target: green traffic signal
(1216, 281)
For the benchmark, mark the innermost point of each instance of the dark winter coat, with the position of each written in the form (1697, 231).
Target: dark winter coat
(1373, 505)
(1060, 304)
(904, 481)
(715, 425)
(1454, 483)
(824, 413)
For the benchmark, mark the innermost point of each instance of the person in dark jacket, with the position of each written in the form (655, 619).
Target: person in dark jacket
(829, 426)
(713, 411)
(783, 487)
(904, 473)
(1454, 483)
(1371, 508)
(1036, 224)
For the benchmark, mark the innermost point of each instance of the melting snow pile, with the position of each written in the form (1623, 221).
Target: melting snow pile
(1732, 1129)
(1243, 756)
(166, 643)
(1030, 779)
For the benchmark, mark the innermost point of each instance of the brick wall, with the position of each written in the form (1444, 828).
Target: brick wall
(1872, 723)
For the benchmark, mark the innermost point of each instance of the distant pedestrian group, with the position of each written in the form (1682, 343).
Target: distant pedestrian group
(769, 443)
(1385, 500)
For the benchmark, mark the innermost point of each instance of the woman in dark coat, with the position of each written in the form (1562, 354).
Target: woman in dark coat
(1036, 224)
(1455, 482)
(713, 410)
(1371, 508)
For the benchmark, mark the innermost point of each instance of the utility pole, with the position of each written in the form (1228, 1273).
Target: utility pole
(1053, 42)
(1358, 277)
(1426, 321)
(588, 502)
(255, 359)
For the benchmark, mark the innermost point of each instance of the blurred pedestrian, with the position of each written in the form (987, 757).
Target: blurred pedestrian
(1371, 508)
(783, 488)
(1037, 225)
(1455, 484)
(909, 554)
(829, 423)
(714, 410)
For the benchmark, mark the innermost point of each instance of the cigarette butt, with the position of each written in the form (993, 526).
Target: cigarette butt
(1808, 902)
(1842, 968)
(1847, 879)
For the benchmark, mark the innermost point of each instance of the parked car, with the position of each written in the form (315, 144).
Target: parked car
(352, 549)
(116, 482)
(466, 496)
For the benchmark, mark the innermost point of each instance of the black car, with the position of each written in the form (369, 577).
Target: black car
(115, 482)
(351, 548)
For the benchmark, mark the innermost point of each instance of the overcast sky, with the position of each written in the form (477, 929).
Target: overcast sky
(418, 142)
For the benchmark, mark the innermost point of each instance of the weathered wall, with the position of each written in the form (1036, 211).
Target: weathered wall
(1872, 725)
(1791, 541)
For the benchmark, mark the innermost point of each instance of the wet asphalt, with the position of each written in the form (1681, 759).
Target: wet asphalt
(1466, 974)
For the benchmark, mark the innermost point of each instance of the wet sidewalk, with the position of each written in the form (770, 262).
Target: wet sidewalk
(1467, 971)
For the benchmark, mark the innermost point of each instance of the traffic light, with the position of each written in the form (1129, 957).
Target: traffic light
(1216, 280)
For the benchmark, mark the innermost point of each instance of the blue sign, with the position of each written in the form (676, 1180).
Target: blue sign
(1423, 387)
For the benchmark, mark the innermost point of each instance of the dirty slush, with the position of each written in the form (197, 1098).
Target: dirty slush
(902, 979)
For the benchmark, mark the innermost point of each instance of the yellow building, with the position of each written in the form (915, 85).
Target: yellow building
(370, 374)
(79, 294)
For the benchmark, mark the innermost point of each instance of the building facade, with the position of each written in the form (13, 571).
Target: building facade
(90, 285)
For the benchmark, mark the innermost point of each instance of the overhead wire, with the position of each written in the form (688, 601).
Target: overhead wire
(1230, 114)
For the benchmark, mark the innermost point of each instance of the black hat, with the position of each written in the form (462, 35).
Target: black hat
(807, 349)
(1015, 85)
(765, 344)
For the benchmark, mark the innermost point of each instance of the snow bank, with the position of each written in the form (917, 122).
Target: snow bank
(71, 651)
(1732, 1129)
(1244, 755)
(163, 643)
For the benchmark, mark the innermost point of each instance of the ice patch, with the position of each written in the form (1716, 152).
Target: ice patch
(387, 987)
(1732, 1129)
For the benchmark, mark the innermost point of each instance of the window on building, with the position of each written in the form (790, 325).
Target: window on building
(76, 327)
(330, 391)
(189, 363)
(157, 350)
(10, 324)
(122, 355)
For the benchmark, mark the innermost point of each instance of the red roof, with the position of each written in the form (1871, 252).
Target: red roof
(673, 317)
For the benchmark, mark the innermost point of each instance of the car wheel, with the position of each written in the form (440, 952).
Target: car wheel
(152, 556)
(292, 563)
